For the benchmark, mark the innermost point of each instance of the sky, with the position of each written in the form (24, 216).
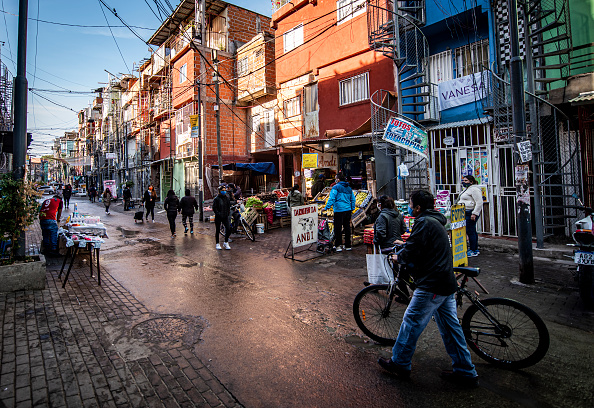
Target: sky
(64, 58)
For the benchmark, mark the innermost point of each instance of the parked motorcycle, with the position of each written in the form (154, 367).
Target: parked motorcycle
(584, 256)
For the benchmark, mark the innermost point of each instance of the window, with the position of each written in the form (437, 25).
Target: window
(293, 38)
(347, 9)
(242, 66)
(167, 136)
(354, 89)
(310, 94)
(183, 73)
(472, 58)
(256, 124)
(292, 107)
(182, 120)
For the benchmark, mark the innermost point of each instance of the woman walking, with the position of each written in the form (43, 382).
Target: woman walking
(187, 205)
(221, 207)
(67, 193)
(149, 199)
(171, 205)
(106, 199)
(472, 198)
(343, 200)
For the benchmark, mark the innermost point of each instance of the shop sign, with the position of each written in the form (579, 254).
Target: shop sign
(448, 141)
(111, 185)
(291, 139)
(304, 225)
(458, 228)
(194, 124)
(407, 136)
(464, 90)
(327, 161)
(309, 160)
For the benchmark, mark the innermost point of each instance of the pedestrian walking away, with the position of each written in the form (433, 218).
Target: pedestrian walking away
(106, 197)
(342, 200)
(171, 205)
(92, 193)
(295, 198)
(428, 259)
(472, 198)
(149, 200)
(127, 196)
(49, 217)
(67, 193)
(188, 205)
(221, 206)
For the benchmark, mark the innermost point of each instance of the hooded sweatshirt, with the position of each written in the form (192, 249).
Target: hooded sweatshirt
(341, 198)
(388, 227)
(428, 256)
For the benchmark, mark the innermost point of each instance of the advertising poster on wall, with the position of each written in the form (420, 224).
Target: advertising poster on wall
(476, 164)
(404, 134)
(458, 225)
(309, 160)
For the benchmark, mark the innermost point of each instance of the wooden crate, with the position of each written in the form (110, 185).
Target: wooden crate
(262, 219)
(285, 222)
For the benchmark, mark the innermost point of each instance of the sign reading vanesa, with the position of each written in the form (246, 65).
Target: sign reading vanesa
(406, 135)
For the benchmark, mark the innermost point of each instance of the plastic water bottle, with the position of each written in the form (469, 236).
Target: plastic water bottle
(75, 212)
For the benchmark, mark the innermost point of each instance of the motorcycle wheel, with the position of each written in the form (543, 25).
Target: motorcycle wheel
(586, 285)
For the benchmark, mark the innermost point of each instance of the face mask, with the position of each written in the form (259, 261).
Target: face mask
(223, 192)
(410, 210)
(465, 184)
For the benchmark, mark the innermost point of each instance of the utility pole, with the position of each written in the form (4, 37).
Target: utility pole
(218, 112)
(401, 187)
(200, 175)
(519, 126)
(20, 109)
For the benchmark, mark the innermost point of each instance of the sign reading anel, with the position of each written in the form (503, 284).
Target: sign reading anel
(458, 227)
(304, 225)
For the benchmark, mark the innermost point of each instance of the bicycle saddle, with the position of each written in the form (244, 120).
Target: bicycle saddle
(468, 271)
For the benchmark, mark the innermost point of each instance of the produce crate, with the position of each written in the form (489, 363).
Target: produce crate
(250, 215)
(285, 222)
(262, 219)
(359, 217)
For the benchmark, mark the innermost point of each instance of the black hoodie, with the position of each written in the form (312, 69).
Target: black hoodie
(428, 256)
(388, 227)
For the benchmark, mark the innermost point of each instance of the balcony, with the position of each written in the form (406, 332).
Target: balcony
(255, 71)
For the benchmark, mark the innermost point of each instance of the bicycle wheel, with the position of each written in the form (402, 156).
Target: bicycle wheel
(248, 231)
(373, 317)
(521, 340)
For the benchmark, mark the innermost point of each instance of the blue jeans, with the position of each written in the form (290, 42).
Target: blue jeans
(471, 231)
(49, 231)
(422, 306)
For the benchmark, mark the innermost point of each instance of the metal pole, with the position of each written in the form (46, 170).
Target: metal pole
(536, 152)
(519, 126)
(200, 176)
(218, 113)
(401, 190)
(20, 110)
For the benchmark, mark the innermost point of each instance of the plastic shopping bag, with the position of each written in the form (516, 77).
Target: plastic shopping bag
(378, 268)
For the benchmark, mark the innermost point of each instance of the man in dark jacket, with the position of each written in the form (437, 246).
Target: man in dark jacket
(171, 205)
(127, 196)
(428, 258)
(389, 226)
(187, 206)
(318, 186)
(221, 207)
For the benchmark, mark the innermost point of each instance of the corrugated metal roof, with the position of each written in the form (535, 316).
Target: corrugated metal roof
(585, 98)
(470, 122)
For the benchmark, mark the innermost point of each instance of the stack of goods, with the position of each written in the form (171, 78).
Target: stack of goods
(281, 194)
(281, 209)
(269, 210)
(409, 221)
(362, 199)
(254, 202)
(442, 202)
(268, 197)
(368, 236)
(402, 206)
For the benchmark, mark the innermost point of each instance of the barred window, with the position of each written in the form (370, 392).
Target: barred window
(354, 89)
(347, 9)
(472, 58)
(292, 107)
(242, 66)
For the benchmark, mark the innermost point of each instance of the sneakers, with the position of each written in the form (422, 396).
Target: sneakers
(472, 253)
(460, 379)
(153, 221)
(191, 231)
(185, 231)
(389, 365)
(339, 248)
(218, 246)
(349, 249)
(226, 245)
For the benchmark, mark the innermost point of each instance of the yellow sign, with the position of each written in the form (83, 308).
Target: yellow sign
(195, 125)
(310, 161)
(458, 227)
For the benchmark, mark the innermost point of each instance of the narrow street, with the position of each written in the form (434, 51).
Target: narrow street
(279, 333)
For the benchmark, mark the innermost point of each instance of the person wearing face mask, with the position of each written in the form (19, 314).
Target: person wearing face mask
(221, 206)
(389, 226)
(472, 198)
(428, 258)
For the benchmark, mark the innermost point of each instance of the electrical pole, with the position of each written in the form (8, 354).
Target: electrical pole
(20, 109)
(200, 175)
(519, 126)
(218, 112)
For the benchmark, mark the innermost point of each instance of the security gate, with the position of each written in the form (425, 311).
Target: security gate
(468, 150)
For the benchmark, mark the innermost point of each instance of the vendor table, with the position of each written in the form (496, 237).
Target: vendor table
(73, 251)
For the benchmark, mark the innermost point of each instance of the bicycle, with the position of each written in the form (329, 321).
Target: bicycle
(501, 331)
(245, 225)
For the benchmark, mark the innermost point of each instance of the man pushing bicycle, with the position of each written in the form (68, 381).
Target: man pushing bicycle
(428, 258)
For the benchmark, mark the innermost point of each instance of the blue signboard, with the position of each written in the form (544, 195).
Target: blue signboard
(407, 136)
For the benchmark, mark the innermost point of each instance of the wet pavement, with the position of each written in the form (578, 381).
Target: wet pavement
(264, 331)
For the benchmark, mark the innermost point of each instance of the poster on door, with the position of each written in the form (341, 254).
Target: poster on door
(476, 164)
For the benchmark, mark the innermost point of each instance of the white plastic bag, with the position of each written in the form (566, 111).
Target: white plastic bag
(378, 268)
